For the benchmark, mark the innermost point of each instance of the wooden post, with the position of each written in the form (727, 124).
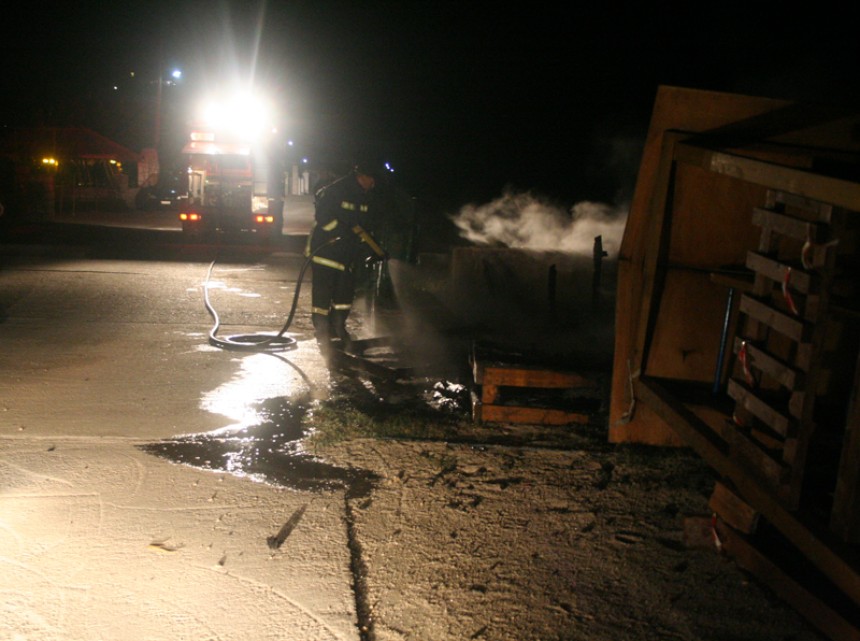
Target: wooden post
(597, 277)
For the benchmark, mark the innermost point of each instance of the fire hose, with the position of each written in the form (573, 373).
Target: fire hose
(260, 341)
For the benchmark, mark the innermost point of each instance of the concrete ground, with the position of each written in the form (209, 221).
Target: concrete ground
(491, 532)
(101, 540)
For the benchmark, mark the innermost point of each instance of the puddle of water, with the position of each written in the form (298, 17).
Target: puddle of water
(265, 438)
(270, 451)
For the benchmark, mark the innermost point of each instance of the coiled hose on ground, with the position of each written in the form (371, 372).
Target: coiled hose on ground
(260, 341)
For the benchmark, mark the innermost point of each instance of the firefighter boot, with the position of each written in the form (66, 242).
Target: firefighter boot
(322, 333)
(338, 329)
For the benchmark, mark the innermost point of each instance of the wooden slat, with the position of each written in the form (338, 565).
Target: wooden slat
(733, 509)
(511, 376)
(799, 280)
(818, 612)
(530, 415)
(786, 325)
(761, 360)
(761, 464)
(839, 192)
(769, 440)
(790, 226)
(771, 417)
(830, 557)
(489, 393)
(822, 211)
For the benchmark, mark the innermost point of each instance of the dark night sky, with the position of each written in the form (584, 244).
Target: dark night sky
(463, 98)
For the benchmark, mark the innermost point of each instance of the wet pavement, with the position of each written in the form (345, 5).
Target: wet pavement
(271, 452)
(113, 391)
(148, 478)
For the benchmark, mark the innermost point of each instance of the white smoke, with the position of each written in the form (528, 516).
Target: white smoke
(524, 221)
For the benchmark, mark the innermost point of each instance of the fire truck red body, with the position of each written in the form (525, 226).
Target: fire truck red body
(229, 186)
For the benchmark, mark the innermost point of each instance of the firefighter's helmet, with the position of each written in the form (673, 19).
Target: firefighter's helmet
(371, 167)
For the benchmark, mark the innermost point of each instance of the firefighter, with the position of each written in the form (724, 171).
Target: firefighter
(340, 243)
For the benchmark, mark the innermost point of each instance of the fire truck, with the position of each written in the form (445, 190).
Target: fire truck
(233, 186)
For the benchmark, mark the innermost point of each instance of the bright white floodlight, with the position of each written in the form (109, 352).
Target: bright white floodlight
(243, 114)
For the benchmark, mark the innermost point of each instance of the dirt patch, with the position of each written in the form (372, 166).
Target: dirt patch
(473, 540)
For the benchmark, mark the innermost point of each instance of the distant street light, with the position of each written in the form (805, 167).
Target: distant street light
(176, 74)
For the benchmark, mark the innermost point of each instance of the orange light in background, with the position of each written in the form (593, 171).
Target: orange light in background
(193, 216)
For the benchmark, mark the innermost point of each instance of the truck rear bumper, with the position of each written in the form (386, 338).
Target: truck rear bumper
(203, 221)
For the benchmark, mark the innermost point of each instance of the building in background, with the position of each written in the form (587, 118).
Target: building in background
(49, 170)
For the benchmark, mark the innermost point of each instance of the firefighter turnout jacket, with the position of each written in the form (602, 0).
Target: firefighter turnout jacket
(344, 210)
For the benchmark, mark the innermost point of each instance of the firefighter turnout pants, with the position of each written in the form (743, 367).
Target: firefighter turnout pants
(331, 298)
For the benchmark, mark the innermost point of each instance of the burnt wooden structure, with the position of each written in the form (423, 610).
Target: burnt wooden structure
(516, 390)
(737, 331)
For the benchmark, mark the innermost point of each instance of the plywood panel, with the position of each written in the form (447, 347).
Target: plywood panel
(675, 109)
(711, 226)
(686, 338)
